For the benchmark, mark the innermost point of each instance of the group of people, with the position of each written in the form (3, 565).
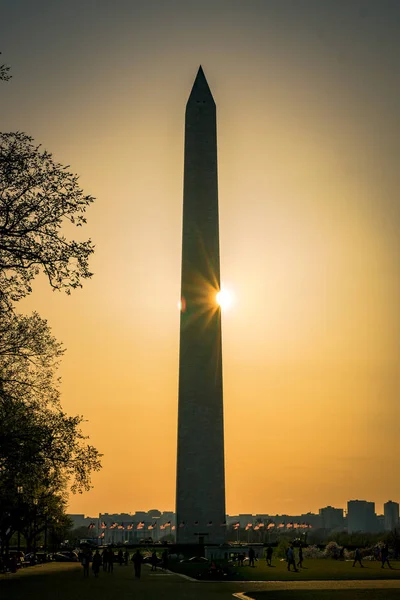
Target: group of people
(381, 554)
(291, 558)
(241, 557)
(107, 558)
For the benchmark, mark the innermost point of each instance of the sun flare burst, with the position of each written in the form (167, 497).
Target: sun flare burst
(224, 298)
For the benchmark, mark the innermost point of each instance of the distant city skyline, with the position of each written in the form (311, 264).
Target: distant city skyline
(155, 512)
(360, 516)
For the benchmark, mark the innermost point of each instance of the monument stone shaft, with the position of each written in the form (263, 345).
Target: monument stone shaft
(200, 488)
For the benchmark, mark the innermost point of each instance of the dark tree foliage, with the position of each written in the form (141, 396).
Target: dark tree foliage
(31, 512)
(29, 357)
(4, 72)
(42, 449)
(37, 197)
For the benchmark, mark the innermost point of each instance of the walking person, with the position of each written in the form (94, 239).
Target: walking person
(385, 556)
(357, 558)
(300, 561)
(126, 557)
(269, 556)
(97, 560)
(251, 557)
(110, 560)
(137, 560)
(164, 558)
(105, 559)
(85, 563)
(120, 557)
(291, 558)
(154, 561)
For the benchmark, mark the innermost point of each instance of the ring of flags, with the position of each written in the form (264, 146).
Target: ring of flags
(255, 526)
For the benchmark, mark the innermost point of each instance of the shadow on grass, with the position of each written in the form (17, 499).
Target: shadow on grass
(30, 582)
(353, 594)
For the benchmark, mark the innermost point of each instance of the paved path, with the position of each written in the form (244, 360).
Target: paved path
(64, 581)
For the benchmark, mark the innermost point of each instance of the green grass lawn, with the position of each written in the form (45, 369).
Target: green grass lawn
(65, 581)
(314, 570)
(373, 594)
(319, 569)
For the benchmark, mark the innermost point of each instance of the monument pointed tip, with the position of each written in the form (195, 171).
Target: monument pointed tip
(200, 73)
(200, 87)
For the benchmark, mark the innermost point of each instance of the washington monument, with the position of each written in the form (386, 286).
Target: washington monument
(200, 485)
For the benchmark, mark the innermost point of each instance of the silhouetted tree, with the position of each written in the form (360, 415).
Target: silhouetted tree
(37, 197)
(4, 72)
(42, 450)
(29, 357)
(75, 535)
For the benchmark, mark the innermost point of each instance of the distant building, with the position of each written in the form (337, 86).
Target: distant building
(82, 521)
(331, 518)
(244, 519)
(168, 515)
(77, 520)
(381, 522)
(391, 515)
(361, 516)
(128, 528)
(311, 519)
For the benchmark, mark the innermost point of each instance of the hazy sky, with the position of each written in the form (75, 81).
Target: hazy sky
(308, 98)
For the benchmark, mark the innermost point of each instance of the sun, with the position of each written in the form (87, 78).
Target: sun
(224, 298)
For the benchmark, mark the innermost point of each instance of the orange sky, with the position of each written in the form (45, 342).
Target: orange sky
(308, 141)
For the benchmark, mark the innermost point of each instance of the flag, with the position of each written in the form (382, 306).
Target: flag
(173, 528)
(113, 525)
(168, 523)
(101, 535)
(261, 524)
(130, 526)
(236, 525)
(271, 525)
(91, 526)
(248, 526)
(281, 525)
(256, 528)
(162, 526)
(103, 525)
(121, 526)
(289, 525)
(140, 525)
